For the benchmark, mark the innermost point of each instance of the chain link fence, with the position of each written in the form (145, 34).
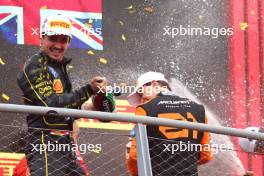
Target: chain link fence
(101, 152)
(169, 157)
(94, 151)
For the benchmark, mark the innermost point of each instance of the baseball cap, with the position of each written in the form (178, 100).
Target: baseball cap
(56, 25)
(134, 98)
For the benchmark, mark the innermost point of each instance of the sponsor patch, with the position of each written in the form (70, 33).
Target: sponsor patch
(60, 24)
(57, 86)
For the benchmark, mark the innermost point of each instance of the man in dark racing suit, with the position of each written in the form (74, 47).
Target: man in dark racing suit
(45, 82)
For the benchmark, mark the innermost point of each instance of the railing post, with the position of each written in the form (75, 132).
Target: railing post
(143, 157)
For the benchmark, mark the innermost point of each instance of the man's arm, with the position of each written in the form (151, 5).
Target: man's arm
(132, 160)
(38, 87)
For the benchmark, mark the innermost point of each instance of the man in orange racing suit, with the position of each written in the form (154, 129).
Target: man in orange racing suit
(45, 82)
(153, 98)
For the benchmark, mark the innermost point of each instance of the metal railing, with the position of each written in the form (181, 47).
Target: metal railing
(143, 156)
(130, 118)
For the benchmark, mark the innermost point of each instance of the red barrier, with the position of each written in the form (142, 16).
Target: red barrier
(253, 75)
(237, 72)
(245, 71)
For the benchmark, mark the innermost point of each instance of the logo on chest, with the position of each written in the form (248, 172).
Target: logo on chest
(57, 86)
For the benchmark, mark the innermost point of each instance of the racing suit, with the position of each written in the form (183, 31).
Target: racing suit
(163, 141)
(45, 82)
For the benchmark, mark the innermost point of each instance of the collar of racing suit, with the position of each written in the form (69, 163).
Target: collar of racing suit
(64, 61)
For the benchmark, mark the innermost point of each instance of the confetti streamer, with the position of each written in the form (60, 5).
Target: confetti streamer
(132, 11)
(200, 17)
(123, 37)
(148, 9)
(2, 61)
(243, 26)
(96, 151)
(121, 23)
(44, 7)
(103, 60)
(90, 52)
(123, 85)
(130, 7)
(6, 97)
(70, 66)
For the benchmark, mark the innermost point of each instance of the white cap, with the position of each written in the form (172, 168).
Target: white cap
(56, 25)
(249, 145)
(134, 98)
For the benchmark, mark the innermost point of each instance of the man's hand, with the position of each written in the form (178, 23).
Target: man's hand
(98, 85)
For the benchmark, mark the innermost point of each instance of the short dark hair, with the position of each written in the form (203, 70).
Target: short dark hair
(164, 84)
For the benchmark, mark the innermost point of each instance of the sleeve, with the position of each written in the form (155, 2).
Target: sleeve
(205, 154)
(132, 160)
(38, 87)
(140, 111)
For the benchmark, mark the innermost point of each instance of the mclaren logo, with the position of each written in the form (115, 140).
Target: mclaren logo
(169, 102)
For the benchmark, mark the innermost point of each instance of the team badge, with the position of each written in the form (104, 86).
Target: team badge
(57, 86)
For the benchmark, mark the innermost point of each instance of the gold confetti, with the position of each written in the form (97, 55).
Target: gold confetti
(123, 84)
(132, 11)
(103, 60)
(6, 97)
(130, 7)
(121, 23)
(70, 66)
(123, 37)
(44, 7)
(243, 26)
(90, 52)
(96, 151)
(2, 61)
(148, 9)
